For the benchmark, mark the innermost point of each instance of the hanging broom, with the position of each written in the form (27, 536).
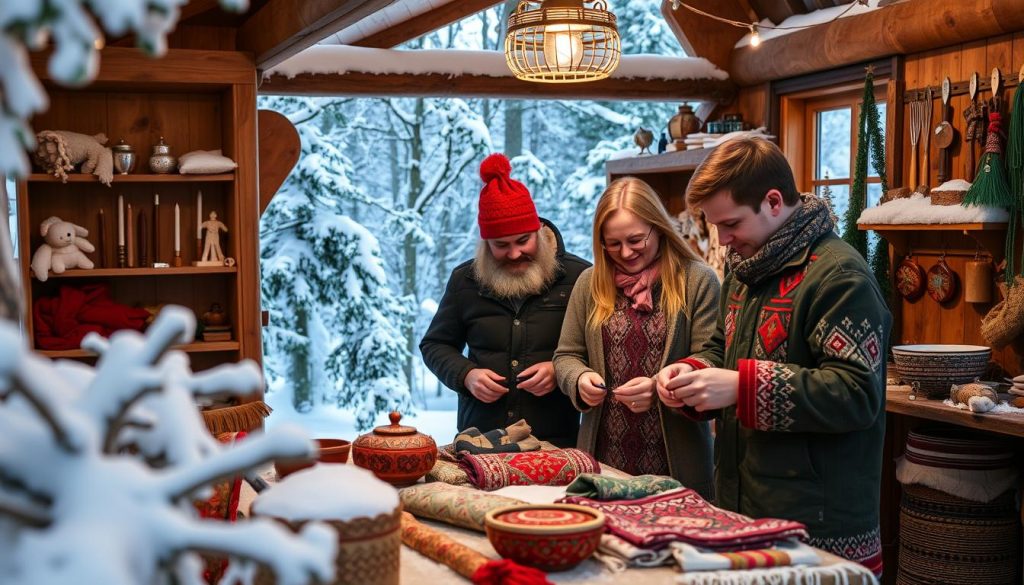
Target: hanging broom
(991, 187)
(1015, 168)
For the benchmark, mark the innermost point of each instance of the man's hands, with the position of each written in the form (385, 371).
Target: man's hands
(485, 385)
(538, 379)
(708, 389)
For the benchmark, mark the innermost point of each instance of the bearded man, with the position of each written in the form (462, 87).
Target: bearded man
(506, 305)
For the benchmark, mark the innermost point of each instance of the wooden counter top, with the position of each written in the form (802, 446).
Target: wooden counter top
(897, 401)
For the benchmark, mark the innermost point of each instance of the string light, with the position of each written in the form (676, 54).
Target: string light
(755, 37)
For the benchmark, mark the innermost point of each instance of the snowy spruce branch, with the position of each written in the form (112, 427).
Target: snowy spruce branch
(74, 29)
(99, 466)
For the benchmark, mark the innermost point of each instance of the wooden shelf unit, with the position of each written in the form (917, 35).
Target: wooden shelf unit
(195, 100)
(667, 173)
(897, 401)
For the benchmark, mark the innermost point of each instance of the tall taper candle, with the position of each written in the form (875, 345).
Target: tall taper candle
(156, 228)
(101, 240)
(143, 241)
(120, 220)
(177, 230)
(199, 226)
(130, 240)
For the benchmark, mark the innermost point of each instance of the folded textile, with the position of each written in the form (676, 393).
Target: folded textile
(452, 504)
(464, 560)
(784, 553)
(514, 438)
(497, 470)
(654, 521)
(598, 487)
(447, 472)
(618, 554)
(62, 321)
(846, 572)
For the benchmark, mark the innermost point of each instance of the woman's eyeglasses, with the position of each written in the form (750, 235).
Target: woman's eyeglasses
(636, 246)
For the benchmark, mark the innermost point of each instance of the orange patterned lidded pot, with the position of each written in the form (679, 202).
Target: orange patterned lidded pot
(395, 453)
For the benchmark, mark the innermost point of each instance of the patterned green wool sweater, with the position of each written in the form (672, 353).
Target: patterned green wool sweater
(804, 441)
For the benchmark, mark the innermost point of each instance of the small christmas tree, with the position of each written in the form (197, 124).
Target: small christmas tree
(826, 196)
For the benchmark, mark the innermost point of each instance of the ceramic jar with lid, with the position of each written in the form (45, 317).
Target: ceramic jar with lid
(162, 161)
(683, 123)
(124, 157)
(395, 453)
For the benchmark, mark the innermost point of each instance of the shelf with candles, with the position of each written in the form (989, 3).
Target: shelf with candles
(129, 272)
(135, 178)
(197, 347)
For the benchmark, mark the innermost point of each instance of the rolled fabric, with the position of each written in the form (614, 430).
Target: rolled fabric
(784, 553)
(464, 560)
(598, 487)
(445, 471)
(452, 504)
(497, 470)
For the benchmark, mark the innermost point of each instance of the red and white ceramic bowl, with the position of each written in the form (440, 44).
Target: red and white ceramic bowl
(550, 537)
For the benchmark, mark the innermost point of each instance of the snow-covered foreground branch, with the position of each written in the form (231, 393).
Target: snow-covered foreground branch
(98, 467)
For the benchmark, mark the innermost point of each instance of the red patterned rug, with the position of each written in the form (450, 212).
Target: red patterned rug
(683, 515)
(497, 470)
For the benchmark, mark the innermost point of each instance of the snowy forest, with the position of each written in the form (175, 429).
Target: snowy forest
(358, 244)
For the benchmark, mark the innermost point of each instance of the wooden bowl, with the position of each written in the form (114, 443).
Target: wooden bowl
(550, 537)
(331, 451)
(937, 367)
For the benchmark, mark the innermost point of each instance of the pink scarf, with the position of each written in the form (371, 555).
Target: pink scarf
(637, 287)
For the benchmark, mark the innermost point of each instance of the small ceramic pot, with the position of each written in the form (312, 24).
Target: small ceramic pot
(162, 161)
(550, 537)
(331, 451)
(124, 157)
(395, 453)
(683, 123)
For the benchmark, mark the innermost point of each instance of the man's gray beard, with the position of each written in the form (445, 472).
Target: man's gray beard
(503, 284)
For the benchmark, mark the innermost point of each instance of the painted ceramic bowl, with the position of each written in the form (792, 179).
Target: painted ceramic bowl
(550, 537)
(937, 367)
(331, 451)
(395, 453)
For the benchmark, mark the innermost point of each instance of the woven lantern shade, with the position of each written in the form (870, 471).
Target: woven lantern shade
(562, 41)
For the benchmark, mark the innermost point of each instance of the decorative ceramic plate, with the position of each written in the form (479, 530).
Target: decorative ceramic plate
(942, 282)
(910, 279)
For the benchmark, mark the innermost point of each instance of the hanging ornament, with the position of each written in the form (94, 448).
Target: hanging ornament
(991, 186)
(942, 282)
(910, 279)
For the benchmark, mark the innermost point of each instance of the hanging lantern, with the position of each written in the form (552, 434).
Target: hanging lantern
(562, 41)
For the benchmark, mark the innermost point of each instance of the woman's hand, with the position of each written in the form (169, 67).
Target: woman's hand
(591, 388)
(637, 394)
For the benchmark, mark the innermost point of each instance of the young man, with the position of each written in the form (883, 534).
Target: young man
(796, 369)
(507, 305)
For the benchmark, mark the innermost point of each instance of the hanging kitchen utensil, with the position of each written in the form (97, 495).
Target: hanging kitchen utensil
(978, 280)
(916, 123)
(926, 128)
(942, 282)
(974, 128)
(910, 279)
(945, 134)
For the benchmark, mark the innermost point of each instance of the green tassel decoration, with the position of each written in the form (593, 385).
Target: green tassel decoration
(991, 187)
(1015, 168)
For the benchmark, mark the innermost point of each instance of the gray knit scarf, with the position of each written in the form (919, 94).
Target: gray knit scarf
(810, 221)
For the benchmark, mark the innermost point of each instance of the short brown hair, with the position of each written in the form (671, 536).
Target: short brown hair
(748, 167)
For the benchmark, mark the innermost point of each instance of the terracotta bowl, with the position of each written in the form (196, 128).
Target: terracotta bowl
(936, 367)
(550, 537)
(331, 451)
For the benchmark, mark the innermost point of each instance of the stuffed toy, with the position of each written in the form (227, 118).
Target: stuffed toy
(64, 247)
(58, 151)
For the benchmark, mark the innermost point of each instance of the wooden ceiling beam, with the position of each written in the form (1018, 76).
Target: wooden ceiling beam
(701, 36)
(422, 24)
(443, 85)
(875, 34)
(282, 28)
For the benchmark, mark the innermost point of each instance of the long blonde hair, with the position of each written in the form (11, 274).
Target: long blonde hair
(636, 196)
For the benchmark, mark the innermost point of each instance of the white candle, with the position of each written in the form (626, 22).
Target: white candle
(120, 220)
(156, 199)
(199, 215)
(177, 229)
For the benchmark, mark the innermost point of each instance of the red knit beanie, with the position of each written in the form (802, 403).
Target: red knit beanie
(506, 208)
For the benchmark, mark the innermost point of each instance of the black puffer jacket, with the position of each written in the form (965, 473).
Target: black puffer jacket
(508, 341)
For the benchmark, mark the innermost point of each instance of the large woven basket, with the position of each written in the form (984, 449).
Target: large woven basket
(935, 367)
(947, 540)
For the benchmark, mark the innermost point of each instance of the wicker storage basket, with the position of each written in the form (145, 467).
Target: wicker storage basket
(947, 197)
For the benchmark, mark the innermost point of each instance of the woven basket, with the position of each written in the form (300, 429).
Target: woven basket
(947, 197)
(945, 539)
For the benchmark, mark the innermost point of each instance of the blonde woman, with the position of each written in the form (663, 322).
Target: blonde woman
(647, 302)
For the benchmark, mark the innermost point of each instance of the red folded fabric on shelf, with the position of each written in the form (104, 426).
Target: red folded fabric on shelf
(657, 520)
(493, 471)
(61, 322)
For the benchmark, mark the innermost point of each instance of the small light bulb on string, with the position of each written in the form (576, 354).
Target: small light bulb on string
(755, 38)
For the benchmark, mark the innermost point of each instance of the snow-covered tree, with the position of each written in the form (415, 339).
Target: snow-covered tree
(74, 26)
(334, 335)
(99, 466)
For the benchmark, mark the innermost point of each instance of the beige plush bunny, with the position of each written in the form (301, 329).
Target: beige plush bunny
(58, 151)
(64, 248)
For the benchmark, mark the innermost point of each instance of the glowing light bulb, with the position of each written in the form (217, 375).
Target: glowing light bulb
(755, 38)
(563, 47)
